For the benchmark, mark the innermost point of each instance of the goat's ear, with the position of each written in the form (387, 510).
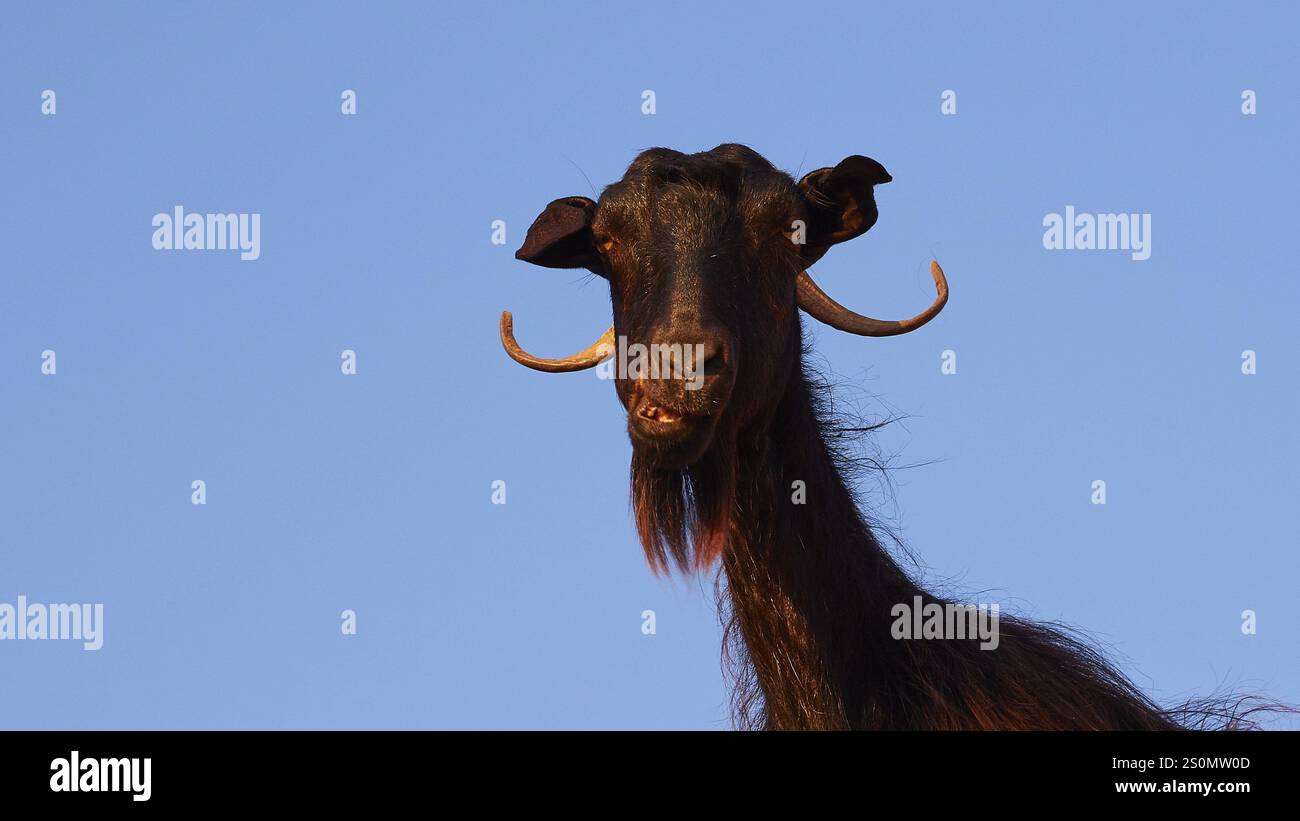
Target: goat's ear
(841, 202)
(560, 237)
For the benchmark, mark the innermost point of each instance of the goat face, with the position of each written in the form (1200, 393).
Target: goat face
(705, 257)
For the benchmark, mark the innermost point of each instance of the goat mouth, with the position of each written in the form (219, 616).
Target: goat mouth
(659, 413)
(670, 434)
(653, 415)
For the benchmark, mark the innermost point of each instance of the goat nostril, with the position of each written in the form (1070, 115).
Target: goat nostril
(690, 355)
(714, 356)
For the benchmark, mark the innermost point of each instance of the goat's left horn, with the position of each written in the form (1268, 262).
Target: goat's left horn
(588, 357)
(815, 301)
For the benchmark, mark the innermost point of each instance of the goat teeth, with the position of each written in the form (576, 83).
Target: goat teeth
(659, 414)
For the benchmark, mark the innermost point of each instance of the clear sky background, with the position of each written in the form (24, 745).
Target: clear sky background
(372, 492)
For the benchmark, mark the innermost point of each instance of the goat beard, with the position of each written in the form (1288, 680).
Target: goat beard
(685, 515)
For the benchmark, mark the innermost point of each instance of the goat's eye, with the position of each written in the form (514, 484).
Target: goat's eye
(604, 244)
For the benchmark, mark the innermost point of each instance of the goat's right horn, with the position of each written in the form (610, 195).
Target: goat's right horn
(589, 357)
(815, 301)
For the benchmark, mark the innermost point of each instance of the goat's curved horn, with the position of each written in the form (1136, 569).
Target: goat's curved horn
(815, 301)
(588, 357)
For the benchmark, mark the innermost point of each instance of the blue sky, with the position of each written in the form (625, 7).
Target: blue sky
(372, 492)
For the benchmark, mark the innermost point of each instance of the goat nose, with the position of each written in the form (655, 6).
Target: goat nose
(690, 354)
(707, 354)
